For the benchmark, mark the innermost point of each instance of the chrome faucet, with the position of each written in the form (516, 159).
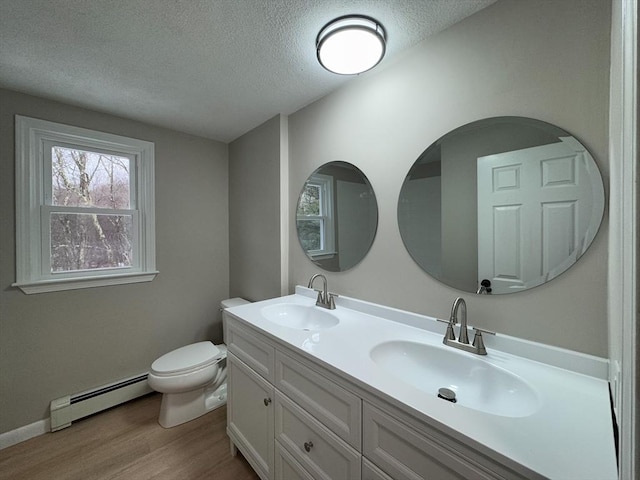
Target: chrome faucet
(477, 347)
(325, 299)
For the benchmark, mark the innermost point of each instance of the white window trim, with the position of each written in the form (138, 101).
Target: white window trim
(325, 182)
(31, 134)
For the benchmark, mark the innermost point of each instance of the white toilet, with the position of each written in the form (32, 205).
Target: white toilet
(192, 379)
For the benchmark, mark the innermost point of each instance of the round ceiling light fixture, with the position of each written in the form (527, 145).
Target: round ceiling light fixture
(351, 44)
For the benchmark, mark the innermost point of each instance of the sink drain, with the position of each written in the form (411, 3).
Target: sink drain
(447, 394)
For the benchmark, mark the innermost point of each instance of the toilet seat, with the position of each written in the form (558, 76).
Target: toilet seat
(187, 359)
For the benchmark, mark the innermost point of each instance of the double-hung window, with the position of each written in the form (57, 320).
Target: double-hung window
(315, 219)
(84, 208)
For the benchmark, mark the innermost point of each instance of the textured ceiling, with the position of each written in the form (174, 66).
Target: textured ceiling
(214, 68)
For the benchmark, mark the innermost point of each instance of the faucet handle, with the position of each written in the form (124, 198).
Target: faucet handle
(320, 299)
(451, 321)
(449, 334)
(480, 331)
(332, 300)
(478, 341)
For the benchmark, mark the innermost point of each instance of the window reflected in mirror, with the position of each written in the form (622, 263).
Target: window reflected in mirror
(315, 220)
(337, 216)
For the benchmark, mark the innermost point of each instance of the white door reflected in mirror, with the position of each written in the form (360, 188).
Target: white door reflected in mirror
(510, 200)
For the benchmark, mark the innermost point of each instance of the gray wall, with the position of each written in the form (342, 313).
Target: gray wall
(254, 212)
(59, 343)
(541, 59)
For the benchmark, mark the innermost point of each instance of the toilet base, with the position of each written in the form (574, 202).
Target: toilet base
(179, 408)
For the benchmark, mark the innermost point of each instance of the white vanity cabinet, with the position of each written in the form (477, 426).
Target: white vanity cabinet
(351, 394)
(294, 419)
(288, 420)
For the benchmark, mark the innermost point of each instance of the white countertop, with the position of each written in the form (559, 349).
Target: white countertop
(570, 435)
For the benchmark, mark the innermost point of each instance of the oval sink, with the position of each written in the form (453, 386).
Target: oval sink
(300, 317)
(476, 383)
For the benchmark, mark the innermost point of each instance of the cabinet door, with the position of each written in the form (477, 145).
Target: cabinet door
(250, 416)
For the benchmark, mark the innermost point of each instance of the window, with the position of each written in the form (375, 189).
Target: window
(315, 219)
(84, 208)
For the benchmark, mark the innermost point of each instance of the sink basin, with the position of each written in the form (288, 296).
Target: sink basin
(476, 383)
(300, 317)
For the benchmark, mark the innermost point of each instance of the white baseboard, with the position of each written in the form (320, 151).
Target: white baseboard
(21, 434)
(64, 410)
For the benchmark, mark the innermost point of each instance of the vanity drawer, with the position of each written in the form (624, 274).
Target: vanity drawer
(250, 348)
(406, 454)
(287, 467)
(320, 452)
(371, 472)
(338, 409)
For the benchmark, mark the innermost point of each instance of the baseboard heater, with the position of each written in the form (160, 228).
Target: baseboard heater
(70, 408)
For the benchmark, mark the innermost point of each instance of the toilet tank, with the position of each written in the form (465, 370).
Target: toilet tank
(228, 303)
(233, 302)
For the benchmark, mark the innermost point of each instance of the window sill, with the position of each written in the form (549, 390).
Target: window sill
(58, 285)
(322, 256)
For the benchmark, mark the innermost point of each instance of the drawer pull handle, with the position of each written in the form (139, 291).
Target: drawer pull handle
(266, 401)
(308, 445)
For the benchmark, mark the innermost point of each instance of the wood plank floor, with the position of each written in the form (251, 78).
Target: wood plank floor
(127, 443)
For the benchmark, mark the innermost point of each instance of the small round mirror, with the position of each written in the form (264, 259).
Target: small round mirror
(337, 216)
(501, 205)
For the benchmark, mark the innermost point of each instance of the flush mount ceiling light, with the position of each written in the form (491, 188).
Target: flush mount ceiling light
(350, 45)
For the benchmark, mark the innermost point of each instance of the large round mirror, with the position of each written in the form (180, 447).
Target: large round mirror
(337, 216)
(501, 205)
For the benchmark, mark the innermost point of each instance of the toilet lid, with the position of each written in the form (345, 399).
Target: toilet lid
(186, 358)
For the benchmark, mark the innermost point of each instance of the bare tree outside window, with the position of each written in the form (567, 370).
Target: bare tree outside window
(96, 239)
(310, 229)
